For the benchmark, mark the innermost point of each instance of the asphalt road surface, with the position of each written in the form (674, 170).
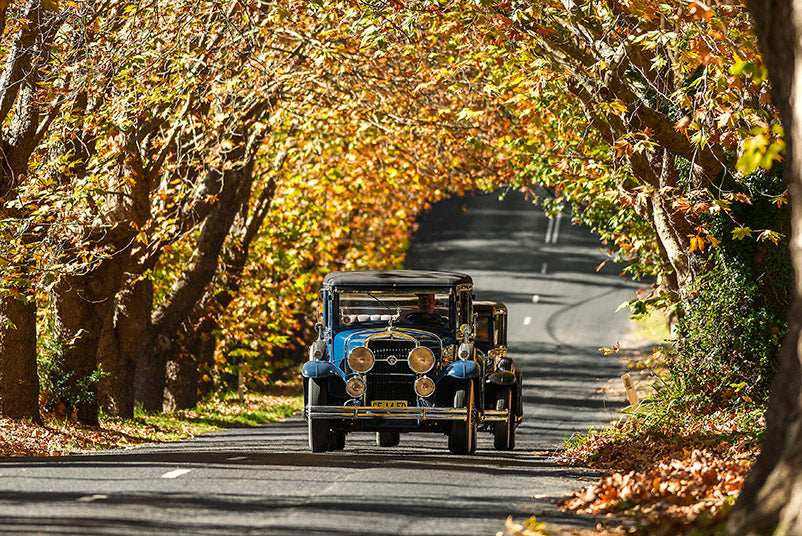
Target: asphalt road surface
(263, 480)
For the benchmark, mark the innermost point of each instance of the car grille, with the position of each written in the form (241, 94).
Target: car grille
(390, 382)
(384, 349)
(391, 387)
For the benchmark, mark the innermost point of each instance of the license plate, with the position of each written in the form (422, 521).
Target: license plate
(389, 404)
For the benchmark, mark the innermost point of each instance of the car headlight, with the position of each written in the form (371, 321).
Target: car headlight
(424, 386)
(465, 351)
(361, 359)
(421, 360)
(355, 387)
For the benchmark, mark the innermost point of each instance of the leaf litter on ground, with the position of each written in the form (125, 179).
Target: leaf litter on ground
(60, 435)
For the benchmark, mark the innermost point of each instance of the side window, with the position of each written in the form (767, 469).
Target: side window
(483, 329)
(464, 307)
(500, 326)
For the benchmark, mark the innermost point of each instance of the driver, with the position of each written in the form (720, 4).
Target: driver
(425, 312)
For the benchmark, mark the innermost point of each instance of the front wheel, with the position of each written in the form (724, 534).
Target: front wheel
(319, 429)
(388, 439)
(462, 437)
(337, 440)
(504, 431)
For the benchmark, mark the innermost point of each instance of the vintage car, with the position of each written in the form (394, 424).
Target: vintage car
(503, 380)
(396, 353)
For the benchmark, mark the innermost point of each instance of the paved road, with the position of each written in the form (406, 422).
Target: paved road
(263, 480)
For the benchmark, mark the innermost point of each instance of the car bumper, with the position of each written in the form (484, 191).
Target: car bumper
(420, 413)
(368, 412)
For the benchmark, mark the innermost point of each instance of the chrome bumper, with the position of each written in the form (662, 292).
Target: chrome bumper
(420, 413)
(368, 412)
(496, 415)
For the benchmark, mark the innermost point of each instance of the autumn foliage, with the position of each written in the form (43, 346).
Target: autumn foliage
(178, 176)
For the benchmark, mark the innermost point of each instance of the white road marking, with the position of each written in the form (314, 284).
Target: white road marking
(527, 320)
(536, 298)
(549, 229)
(553, 228)
(176, 473)
(544, 268)
(235, 458)
(91, 498)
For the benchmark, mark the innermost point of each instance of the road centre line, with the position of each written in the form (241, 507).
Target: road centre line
(176, 473)
(92, 498)
(549, 229)
(235, 458)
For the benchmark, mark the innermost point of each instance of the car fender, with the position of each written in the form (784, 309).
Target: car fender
(461, 370)
(502, 377)
(321, 369)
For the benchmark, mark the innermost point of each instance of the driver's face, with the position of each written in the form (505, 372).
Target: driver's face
(426, 303)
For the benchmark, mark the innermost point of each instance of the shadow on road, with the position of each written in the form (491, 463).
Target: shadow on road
(263, 480)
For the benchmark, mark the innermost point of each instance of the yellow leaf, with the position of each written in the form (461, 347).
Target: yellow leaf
(739, 233)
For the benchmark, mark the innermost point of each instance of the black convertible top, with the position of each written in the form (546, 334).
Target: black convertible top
(390, 279)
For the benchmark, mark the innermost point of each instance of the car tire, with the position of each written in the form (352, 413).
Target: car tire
(504, 431)
(337, 441)
(319, 429)
(388, 439)
(462, 437)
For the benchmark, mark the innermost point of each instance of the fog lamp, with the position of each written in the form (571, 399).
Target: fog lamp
(355, 387)
(465, 351)
(424, 386)
(421, 360)
(361, 359)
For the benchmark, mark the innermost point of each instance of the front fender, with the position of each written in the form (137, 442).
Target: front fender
(321, 369)
(461, 370)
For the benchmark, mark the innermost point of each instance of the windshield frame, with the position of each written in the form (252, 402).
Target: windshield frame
(338, 326)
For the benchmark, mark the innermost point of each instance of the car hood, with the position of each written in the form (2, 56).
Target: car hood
(347, 340)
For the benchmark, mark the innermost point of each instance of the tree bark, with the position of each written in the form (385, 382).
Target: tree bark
(118, 344)
(771, 500)
(83, 306)
(187, 291)
(19, 382)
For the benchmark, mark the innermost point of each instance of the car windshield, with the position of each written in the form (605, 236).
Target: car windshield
(379, 307)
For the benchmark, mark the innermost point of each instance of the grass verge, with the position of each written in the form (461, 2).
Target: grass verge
(61, 436)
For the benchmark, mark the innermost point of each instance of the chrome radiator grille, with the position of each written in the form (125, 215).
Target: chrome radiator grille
(385, 350)
(388, 381)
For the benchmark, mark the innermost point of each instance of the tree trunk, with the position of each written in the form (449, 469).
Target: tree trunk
(83, 306)
(192, 283)
(771, 500)
(149, 375)
(118, 345)
(181, 382)
(19, 382)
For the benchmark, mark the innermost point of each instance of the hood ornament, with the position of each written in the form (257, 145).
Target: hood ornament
(393, 319)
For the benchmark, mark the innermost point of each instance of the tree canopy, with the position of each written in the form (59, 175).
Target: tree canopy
(178, 176)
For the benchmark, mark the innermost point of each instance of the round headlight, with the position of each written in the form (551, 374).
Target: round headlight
(421, 360)
(361, 359)
(355, 387)
(465, 351)
(424, 386)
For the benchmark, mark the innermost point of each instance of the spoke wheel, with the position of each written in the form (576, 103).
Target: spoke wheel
(462, 437)
(319, 429)
(504, 431)
(388, 439)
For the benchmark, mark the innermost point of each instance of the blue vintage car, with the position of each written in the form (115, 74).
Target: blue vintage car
(396, 354)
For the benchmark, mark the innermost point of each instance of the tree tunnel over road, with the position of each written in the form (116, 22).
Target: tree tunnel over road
(263, 480)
